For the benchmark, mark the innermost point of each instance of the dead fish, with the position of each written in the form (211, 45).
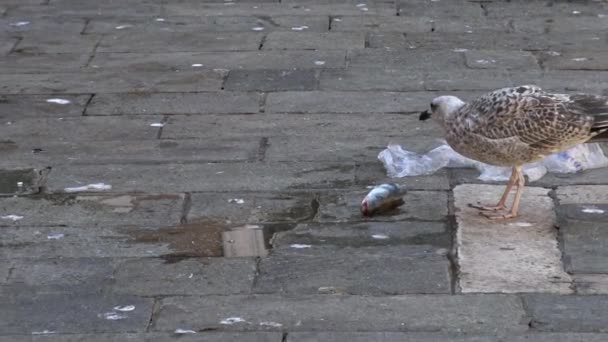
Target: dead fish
(382, 198)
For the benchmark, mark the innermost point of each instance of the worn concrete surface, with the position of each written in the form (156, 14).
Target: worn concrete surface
(517, 256)
(182, 134)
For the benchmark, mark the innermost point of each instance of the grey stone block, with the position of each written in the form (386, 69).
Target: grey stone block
(140, 151)
(275, 9)
(418, 60)
(221, 60)
(82, 275)
(7, 44)
(110, 82)
(174, 103)
(30, 132)
(85, 9)
(591, 284)
(407, 24)
(557, 337)
(571, 81)
(584, 247)
(210, 24)
(377, 270)
(364, 234)
(347, 102)
(144, 210)
(56, 43)
(101, 242)
(73, 313)
(568, 313)
(576, 61)
(16, 107)
(465, 314)
(65, 26)
(475, 41)
(531, 9)
(420, 205)
(192, 276)
(372, 79)
(314, 41)
(256, 208)
(519, 60)
(270, 80)
(382, 337)
(413, 135)
(180, 42)
(156, 337)
(300, 126)
(218, 177)
(458, 9)
(387, 40)
(481, 80)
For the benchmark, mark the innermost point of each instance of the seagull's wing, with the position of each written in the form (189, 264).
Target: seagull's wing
(540, 120)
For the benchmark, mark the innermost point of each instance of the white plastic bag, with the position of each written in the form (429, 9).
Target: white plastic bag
(401, 163)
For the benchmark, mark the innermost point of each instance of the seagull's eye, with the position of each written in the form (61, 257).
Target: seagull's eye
(433, 106)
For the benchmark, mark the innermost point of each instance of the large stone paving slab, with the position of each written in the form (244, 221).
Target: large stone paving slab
(142, 210)
(180, 42)
(15, 107)
(192, 276)
(371, 79)
(239, 177)
(324, 125)
(377, 270)
(468, 314)
(347, 102)
(70, 313)
(582, 212)
(170, 61)
(270, 80)
(246, 208)
(318, 23)
(140, 151)
(174, 103)
(68, 242)
(152, 337)
(79, 275)
(111, 82)
(519, 255)
(55, 43)
(314, 41)
(568, 313)
(436, 337)
(362, 234)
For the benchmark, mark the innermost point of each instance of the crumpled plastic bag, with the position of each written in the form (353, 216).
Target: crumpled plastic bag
(401, 163)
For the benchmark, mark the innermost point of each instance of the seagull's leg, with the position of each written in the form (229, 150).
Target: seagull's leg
(503, 200)
(521, 181)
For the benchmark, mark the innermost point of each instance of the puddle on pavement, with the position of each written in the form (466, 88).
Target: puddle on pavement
(212, 239)
(124, 203)
(15, 182)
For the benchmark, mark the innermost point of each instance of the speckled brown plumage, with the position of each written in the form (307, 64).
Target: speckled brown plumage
(514, 126)
(519, 125)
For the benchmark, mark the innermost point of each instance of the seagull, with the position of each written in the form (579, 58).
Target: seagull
(515, 126)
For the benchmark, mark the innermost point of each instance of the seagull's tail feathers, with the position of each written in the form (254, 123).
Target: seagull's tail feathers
(595, 106)
(600, 127)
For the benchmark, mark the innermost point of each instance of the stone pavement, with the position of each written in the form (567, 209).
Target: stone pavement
(208, 158)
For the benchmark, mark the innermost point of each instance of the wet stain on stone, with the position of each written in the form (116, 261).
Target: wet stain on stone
(193, 239)
(17, 181)
(7, 145)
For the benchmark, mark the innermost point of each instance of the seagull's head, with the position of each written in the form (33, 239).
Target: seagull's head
(442, 107)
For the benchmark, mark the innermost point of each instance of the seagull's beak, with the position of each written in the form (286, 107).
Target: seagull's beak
(425, 115)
